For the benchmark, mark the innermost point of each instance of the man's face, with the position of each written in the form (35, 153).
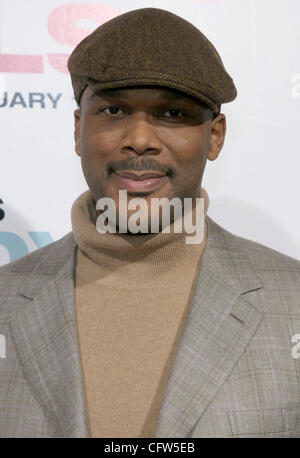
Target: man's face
(145, 129)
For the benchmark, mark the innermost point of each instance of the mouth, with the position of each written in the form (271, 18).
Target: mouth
(140, 183)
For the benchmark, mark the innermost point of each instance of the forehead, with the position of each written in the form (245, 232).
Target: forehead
(151, 93)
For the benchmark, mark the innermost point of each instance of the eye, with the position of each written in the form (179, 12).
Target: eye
(112, 110)
(173, 113)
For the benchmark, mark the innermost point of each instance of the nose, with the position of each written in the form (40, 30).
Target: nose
(140, 135)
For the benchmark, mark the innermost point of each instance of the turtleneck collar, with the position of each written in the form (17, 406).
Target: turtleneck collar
(92, 242)
(125, 262)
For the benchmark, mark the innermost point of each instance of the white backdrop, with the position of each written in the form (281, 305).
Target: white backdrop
(253, 186)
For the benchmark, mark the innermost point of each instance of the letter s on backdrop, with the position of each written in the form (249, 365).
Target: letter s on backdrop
(63, 27)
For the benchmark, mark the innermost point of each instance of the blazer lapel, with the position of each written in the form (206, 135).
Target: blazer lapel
(44, 332)
(220, 324)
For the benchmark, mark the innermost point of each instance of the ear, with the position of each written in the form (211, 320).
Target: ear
(217, 136)
(77, 130)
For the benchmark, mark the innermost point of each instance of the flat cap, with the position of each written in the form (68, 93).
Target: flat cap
(151, 46)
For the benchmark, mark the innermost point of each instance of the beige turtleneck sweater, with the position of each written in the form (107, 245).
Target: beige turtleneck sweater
(132, 296)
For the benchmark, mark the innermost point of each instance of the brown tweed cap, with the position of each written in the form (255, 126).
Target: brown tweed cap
(151, 46)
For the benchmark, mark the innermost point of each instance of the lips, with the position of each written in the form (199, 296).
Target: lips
(141, 176)
(140, 183)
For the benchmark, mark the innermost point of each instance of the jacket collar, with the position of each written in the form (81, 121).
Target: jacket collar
(220, 324)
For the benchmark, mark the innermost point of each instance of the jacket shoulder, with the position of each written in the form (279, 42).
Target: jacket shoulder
(278, 274)
(272, 277)
(265, 258)
(262, 257)
(24, 264)
(43, 264)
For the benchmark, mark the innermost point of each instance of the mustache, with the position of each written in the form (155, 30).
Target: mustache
(144, 164)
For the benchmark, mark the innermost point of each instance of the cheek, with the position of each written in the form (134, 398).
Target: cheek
(189, 151)
(185, 143)
(96, 141)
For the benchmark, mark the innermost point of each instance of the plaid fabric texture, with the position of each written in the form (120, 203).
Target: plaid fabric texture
(233, 374)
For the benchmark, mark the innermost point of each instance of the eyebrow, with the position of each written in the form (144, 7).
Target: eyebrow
(114, 93)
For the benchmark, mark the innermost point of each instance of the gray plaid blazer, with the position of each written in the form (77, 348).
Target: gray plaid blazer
(233, 374)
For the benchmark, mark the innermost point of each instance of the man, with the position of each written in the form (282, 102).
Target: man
(137, 333)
